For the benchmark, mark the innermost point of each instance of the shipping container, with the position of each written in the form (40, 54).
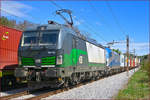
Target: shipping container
(137, 61)
(107, 55)
(112, 58)
(115, 60)
(95, 53)
(122, 60)
(9, 42)
(134, 62)
(131, 61)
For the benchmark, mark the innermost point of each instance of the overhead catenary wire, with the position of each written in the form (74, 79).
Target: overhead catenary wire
(115, 18)
(101, 17)
(90, 28)
(86, 26)
(55, 4)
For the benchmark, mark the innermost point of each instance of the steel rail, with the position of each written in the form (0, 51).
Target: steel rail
(14, 95)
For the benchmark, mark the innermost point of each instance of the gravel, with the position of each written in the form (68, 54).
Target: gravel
(105, 88)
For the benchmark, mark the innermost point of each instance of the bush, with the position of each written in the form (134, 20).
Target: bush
(145, 65)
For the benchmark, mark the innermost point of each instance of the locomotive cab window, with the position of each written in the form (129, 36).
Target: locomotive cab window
(49, 37)
(30, 37)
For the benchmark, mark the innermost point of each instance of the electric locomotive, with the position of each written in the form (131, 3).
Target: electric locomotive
(52, 55)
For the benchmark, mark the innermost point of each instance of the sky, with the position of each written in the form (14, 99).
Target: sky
(103, 21)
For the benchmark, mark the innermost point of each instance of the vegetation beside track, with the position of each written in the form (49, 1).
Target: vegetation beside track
(138, 86)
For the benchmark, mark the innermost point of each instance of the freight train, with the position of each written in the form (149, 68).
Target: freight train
(9, 42)
(53, 55)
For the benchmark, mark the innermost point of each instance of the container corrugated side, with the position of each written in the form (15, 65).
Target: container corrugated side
(9, 42)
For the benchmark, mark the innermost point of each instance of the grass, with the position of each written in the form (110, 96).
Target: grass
(137, 87)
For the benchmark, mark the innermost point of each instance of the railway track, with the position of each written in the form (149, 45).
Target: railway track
(14, 95)
(44, 95)
(51, 92)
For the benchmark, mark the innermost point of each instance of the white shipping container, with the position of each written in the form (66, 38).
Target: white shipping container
(122, 60)
(95, 54)
(137, 61)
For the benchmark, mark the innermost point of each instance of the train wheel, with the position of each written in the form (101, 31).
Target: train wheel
(66, 83)
(74, 79)
(106, 73)
(3, 87)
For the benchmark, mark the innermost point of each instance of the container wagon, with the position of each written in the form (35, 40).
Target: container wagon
(9, 41)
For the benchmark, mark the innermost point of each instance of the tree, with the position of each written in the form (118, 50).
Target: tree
(23, 25)
(6, 22)
(12, 23)
(117, 51)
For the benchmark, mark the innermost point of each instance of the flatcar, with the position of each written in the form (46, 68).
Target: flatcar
(9, 42)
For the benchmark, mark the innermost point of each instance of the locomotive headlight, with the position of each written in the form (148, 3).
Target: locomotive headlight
(38, 60)
(59, 60)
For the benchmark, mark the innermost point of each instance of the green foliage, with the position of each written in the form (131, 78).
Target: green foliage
(117, 51)
(12, 23)
(4, 21)
(144, 57)
(145, 65)
(137, 87)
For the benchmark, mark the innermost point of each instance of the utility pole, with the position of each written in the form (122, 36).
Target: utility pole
(127, 55)
(134, 59)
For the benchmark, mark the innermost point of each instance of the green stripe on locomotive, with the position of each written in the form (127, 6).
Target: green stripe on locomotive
(44, 61)
(72, 58)
(27, 61)
(49, 61)
(97, 64)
